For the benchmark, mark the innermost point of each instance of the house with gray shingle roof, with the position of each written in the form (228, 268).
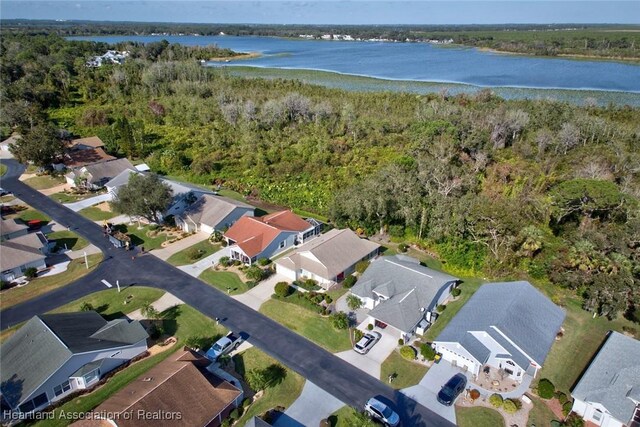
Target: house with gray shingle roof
(211, 212)
(328, 258)
(507, 326)
(401, 293)
(53, 355)
(18, 254)
(608, 393)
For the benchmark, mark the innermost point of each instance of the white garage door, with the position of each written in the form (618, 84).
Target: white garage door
(286, 272)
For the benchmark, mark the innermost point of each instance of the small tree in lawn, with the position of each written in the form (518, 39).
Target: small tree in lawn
(354, 302)
(427, 352)
(257, 379)
(254, 273)
(339, 320)
(146, 196)
(546, 389)
(86, 306)
(282, 289)
(149, 311)
(41, 145)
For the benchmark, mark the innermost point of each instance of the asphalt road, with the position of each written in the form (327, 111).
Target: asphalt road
(337, 377)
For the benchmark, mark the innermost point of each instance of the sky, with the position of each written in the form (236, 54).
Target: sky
(329, 11)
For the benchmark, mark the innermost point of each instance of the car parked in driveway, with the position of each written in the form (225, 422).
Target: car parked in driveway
(381, 412)
(452, 389)
(367, 341)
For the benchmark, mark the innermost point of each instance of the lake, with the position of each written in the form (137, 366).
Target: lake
(459, 68)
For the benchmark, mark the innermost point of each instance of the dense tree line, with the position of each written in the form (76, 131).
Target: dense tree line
(538, 189)
(611, 41)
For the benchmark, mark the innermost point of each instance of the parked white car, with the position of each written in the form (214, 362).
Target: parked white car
(367, 342)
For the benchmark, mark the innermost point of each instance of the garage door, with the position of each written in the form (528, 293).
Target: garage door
(286, 272)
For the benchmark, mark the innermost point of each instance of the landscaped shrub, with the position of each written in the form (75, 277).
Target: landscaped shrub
(574, 420)
(237, 262)
(396, 231)
(4, 284)
(474, 394)
(370, 327)
(509, 406)
(194, 254)
(353, 302)
(31, 272)
(546, 389)
(339, 320)
(441, 308)
(86, 306)
(427, 352)
(328, 299)
(456, 292)
(283, 289)
(263, 261)
(562, 398)
(349, 281)
(225, 261)
(362, 266)
(251, 284)
(402, 247)
(495, 400)
(357, 334)
(235, 414)
(245, 403)
(400, 341)
(303, 301)
(566, 408)
(408, 352)
(254, 273)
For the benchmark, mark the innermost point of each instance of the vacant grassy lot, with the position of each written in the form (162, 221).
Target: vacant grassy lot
(43, 182)
(283, 394)
(479, 417)
(182, 322)
(407, 373)
(308, 324)
(540, 415)
(468, 288)
(582, 336)
(68, 239)
(96, 214)
(193, 253)
(225, 281)
(41, 285)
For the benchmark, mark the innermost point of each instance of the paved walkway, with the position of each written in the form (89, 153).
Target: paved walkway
(166, 301)
(166, 252)
(256, 296)
(427, 390)
(197, 268)
(57, 189)
(313, 405)
(82, 204)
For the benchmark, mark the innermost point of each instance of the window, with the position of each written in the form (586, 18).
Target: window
(509, 362)
(62, 388)
(283, 244)
(597, 415)
(91, 376)
(34, 403)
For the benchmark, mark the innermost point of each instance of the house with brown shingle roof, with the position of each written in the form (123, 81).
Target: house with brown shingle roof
(86, 143)
(327, 259)
(21, 253)
(181, 388)
(253, 238)
(83, 157)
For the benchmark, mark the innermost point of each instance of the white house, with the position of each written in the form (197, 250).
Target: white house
(608, 393)
(402, 294)
(53, 355)
(328, 258)
(252, 238)
(20, 253)
(212, 213)
(506, 326)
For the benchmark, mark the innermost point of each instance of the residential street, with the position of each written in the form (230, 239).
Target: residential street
(341, 379)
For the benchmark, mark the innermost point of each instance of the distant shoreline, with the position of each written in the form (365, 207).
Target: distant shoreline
(561, 55)
(237, 56)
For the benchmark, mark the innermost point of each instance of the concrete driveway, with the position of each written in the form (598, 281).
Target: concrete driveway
(256, 296)
(81, 204)
(371, 362)
(197, 268)
(426, 391)
(166, 252)
(313, 405)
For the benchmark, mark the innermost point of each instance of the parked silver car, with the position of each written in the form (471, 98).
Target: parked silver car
(381, 412)
(367, 341)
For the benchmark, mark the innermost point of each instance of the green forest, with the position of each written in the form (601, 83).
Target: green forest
(542, 190)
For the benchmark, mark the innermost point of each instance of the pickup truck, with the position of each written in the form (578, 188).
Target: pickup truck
(224, 345)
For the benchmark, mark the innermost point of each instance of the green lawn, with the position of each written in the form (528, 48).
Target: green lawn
(479, 417)
(30, 214)
(140, 236)
(68, 238)
(182, 322)
(3, 169)
(43, 182)
(540, 415)
(283, 394)
(96, 214)
(41, 285)
(112, 304)
(193, 253)
(225, 281)
(582, 336)
(468, 288)
(308, 324)
(64, 197)
(407, 373)
(346, 417)
(232, 195)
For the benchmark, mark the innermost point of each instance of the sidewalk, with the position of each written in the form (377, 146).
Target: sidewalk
(197, 268)
(165, 253)
(53, 190)
(166, 301)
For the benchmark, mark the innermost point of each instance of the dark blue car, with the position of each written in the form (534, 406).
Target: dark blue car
(452, 389)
